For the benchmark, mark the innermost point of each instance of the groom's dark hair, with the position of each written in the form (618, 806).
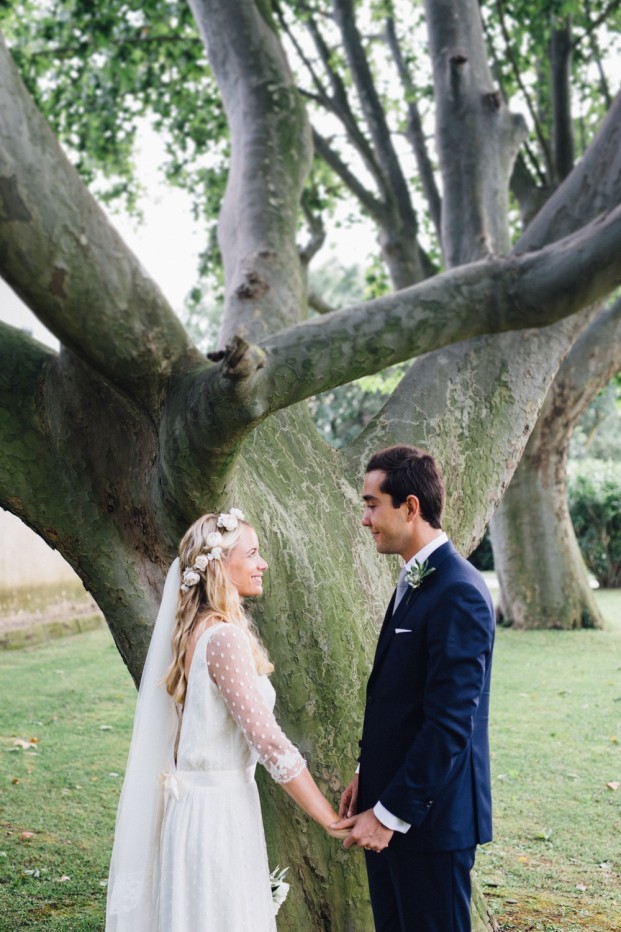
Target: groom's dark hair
(410, 471)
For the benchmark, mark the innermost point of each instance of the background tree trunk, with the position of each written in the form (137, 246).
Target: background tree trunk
(543, 578)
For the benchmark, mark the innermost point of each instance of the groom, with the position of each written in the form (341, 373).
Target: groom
(421, 799)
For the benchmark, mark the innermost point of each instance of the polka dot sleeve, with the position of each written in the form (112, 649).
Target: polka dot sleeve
(231, 668)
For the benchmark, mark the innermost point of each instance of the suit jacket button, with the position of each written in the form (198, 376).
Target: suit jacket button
(369, 699)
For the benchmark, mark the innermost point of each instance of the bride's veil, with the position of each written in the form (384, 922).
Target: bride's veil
(131, 889)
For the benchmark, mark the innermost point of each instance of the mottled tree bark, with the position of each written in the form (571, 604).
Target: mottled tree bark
(544, 582)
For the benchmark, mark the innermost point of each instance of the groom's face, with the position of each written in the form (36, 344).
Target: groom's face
(389, 526)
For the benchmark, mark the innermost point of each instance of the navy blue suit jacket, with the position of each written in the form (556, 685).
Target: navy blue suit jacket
(424, 748)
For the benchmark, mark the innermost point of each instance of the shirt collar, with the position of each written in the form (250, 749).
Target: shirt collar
(425, 552)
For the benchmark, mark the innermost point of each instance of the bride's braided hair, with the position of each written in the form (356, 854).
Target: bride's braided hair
(208, 593)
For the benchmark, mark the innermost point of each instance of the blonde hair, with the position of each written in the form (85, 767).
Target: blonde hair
(213, 597)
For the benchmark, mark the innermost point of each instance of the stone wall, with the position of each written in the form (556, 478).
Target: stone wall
(25, 559)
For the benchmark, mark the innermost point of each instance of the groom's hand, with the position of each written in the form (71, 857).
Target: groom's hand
(366, 831)
(349, 799)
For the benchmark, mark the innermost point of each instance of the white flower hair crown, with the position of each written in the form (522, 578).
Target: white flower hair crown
(228, 520)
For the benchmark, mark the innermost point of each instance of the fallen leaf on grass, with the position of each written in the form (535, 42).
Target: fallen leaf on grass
(63, 879)
(105, 727)
(15, 781)
(24, 836)
(581, 887)
(25, 745)
(32, 873)
(523, 859)
(613, 785)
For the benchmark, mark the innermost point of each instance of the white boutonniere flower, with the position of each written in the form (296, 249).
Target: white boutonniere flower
(417, 573)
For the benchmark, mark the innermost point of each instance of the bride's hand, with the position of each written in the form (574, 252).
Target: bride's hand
(339, 833)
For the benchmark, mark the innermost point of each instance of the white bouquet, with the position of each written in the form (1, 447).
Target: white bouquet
(280, 889)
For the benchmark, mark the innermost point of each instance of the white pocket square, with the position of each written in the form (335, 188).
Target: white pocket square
(403, 630)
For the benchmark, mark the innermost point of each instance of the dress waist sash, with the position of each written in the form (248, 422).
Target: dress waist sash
(175, 780)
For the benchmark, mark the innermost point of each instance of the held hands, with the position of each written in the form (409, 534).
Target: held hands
(364, 830)
(334, 832)
(349, 800)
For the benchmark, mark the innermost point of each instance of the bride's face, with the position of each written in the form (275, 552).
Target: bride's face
(245, 565)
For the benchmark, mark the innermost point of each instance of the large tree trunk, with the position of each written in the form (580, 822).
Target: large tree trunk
(543, 578)
(110, 449)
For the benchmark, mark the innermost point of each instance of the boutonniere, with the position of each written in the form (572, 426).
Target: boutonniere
(416, 573)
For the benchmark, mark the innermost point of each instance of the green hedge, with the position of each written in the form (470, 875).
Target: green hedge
(594, 491)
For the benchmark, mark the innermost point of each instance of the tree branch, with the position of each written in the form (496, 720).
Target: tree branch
(560, 64)
(338, 104)
(493, 296)
(597, 55)
(530, 196)
(64, 259)
(477, 136)
(271, 155)
(70, 448)
(318, 304)
(543, 142)
(375, 116)
(598, 21)
(414, 132)
(594, 359)
(592, 188)
(368, 201)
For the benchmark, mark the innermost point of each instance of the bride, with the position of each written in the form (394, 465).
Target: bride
(189, 851)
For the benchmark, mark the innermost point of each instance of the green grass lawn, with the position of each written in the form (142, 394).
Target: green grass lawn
(76, 698)
(556, 742)
(555, 864)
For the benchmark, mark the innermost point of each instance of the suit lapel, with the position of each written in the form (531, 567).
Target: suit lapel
(385, 627)
(406, 604)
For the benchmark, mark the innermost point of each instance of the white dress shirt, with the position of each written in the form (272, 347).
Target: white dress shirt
(385, 817)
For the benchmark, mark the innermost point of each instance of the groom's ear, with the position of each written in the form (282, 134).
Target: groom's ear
(413, 507)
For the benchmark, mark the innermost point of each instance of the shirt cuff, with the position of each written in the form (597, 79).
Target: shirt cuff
(358, 769)
(389, 820)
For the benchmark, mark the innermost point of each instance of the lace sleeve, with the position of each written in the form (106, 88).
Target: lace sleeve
(231, 668)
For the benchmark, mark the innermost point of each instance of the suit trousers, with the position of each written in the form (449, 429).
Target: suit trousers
(420, 891)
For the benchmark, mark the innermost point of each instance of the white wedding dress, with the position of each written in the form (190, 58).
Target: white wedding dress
(213, 868)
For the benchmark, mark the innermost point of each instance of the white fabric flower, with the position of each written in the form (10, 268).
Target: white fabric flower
(201, 562)
(228, 521)
(213, 539)
(215, 553)
(190, 578)
(237, 514)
